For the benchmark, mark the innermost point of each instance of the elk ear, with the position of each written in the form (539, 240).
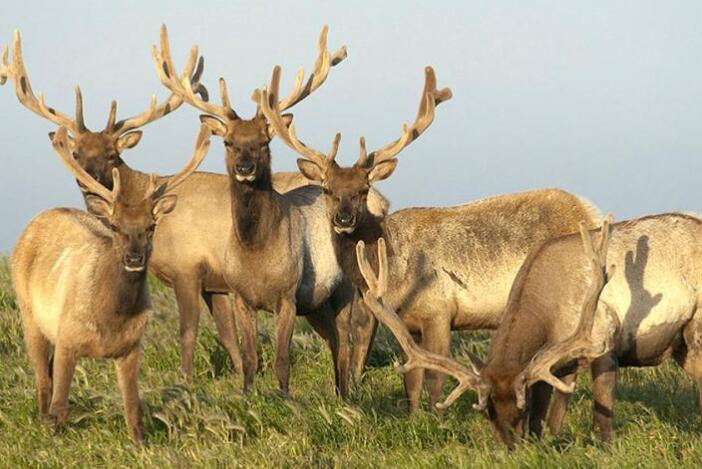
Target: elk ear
(164, 205)
(310, 170)
(382, 170)
(215, 125)
(98, 206)
(287, 120)
(128, 140)
(53, 134)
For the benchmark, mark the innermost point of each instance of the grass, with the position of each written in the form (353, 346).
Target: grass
(212, 424)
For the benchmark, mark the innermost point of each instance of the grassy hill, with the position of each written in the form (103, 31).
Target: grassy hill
(211, 424)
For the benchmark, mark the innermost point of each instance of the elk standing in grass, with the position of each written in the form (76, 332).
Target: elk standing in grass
(454, 265)
(279, 254)
(81, 283)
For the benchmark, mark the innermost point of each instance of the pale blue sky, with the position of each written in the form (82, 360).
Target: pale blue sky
(602, 98)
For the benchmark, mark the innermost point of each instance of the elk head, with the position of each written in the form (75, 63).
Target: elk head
(347, 188)
(96, 152)
(504, 396)
(132, 223)
(246, 140)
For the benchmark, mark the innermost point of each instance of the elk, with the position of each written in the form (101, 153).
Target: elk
(457, 264)
(278, 251)
(81, 284)
(188, 245)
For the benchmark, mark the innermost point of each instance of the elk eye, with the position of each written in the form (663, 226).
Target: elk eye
(151, 228)
(114, 227)
(75, 155)
(228, 144)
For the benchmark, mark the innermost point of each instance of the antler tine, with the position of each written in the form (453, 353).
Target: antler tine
(417, 357)
(431, 97)
(202, 145)
(23, 89)
(580, 345)
(269, 105)
(185, 87)
(4, 66)
(325, 60)
(60, 144)
(80, 121)
(113, 115)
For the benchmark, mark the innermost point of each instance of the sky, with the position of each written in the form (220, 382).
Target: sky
(601, 98)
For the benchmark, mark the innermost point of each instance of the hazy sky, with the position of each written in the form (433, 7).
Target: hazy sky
(601, 98)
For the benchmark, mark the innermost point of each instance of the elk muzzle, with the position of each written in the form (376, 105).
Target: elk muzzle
(344, 222)
(134, 261)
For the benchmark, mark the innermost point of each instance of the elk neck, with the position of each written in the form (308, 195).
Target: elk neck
(256, 210)
(128, 289)
(369, 230)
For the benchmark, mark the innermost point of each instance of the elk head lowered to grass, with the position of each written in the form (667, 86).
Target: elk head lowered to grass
(81, 283)
(279, 253)
(456, 264)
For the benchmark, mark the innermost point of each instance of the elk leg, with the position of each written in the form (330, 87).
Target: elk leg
(223, 316)
(127, 380)
(335, 334)
(414, 380)
(39, 351)
(436, 338)
(247, 327)
(64, 367)
(559, 405)
(689, 355)
(187, 292)
(284, 331)
(539, 399)
(604, 380)
(363, 328)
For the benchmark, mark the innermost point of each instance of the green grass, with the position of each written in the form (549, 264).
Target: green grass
(211, 424)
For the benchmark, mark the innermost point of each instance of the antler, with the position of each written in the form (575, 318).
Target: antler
(417, 357)
(202, 145)
(23, 89)
(325, 61)
(580, 346)
(181, 86)
(189, 80)
(270, 106)
(61, 146)
(431, 97)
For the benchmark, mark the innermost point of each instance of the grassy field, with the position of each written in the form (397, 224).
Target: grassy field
(211, 424)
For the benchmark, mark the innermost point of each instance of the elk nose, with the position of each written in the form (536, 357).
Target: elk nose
(245, 168)
(134, 259)
(344, 220)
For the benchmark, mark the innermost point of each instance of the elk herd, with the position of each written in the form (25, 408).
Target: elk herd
(563, 289)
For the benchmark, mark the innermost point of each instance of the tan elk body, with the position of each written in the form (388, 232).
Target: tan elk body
(81, 283)
(452, 268)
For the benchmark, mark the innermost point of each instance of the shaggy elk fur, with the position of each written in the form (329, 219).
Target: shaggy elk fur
(454, 266)
(81, 284)
(279, 254)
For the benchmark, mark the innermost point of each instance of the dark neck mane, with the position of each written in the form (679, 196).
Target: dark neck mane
(369, 230)
(255, 209)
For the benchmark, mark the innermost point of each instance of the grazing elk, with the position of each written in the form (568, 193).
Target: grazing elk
(81, 284)
(456, 264)
(279, 254)
(638, 312)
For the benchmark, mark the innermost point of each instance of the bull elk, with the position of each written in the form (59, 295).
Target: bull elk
(457, 264)
(81, 284)
(278, 251)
